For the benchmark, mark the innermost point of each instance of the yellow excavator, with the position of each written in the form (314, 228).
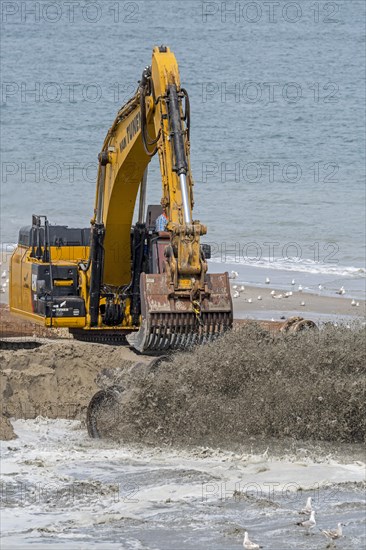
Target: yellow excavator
(148, 281)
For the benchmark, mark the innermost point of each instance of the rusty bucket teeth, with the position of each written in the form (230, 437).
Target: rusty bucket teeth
(177, 332)
(164, 328)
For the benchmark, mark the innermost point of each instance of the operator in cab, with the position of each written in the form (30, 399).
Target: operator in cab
(162, 220)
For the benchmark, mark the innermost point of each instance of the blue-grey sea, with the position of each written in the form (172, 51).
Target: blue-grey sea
(277, 95)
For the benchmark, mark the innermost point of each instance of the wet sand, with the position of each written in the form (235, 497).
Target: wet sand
(316, 306)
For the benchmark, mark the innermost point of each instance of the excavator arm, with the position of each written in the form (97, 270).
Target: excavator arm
(183, 304)
(151, 122)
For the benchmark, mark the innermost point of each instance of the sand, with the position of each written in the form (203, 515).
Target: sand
(6, 429)
(58, 379)
(308, 385)
(316, 307)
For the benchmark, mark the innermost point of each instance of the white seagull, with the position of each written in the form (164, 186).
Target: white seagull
(308, 508)
(353, 303)
(235, 287)
(341, 291)
(309, 523)
(273, 292)
(242, 288)
(259, 298)
(249, 300)
(233, 275)
(248, 544)
(236, 294)
(293, 281)
(267, 281)
(320, 287)
(302, 303)
(300, 288)
(334, 534)
(3, 275)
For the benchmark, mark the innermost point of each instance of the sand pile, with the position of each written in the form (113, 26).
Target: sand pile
(56, 380)
(308, 386)
(6, 429)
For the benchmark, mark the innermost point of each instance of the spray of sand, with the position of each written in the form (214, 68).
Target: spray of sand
(308, 385)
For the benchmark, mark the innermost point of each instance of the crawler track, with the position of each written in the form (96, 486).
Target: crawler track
(20, 343)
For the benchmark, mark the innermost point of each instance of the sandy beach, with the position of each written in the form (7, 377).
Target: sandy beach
(259, 303)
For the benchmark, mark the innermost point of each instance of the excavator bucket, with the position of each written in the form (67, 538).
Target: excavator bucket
(176, 323)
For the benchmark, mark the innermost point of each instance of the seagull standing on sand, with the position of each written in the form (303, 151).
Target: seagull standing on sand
(236, 294)
(309, 523)
(242, 288)
(300, 288)
(3, 275)
(248, 544)
(353, 303)
(308, 508)
(233, 275)
(334, 534)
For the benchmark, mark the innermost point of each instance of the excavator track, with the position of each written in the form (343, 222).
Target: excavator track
(114, 338)
(21, 343)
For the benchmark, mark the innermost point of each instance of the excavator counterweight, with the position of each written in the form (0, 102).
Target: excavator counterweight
(146, 281)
